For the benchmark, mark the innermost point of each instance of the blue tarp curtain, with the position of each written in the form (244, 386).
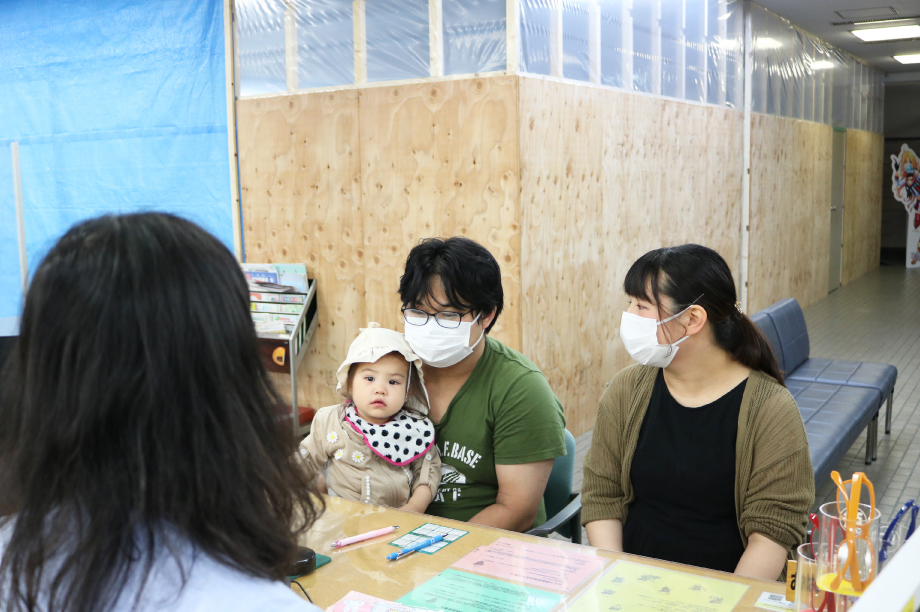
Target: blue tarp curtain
(118, 106)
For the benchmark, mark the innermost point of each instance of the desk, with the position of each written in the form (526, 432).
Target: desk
(363, 567)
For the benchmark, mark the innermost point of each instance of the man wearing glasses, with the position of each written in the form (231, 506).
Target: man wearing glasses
(498, 425)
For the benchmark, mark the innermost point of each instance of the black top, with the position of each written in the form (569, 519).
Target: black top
(683, 475)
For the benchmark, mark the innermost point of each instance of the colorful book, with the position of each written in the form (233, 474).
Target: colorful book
(265, 273)
(294, 275)
(281, 298)
(281, 308)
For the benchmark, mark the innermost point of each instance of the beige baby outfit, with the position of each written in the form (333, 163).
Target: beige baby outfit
(370, 463)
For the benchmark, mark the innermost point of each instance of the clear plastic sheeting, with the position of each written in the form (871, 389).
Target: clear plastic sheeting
(474, 36)
(316, 37)
(397, 39)
(685, 49)
(796, 75)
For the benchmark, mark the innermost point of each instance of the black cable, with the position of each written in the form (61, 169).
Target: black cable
(302, 589)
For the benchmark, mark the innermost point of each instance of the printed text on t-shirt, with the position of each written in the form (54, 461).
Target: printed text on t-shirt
(460, 453)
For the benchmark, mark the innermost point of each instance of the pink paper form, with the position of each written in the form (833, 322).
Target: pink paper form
(355, 602)
(541, 566)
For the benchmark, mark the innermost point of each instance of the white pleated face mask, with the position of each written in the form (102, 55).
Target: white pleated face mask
(640, 337)
(441, 347)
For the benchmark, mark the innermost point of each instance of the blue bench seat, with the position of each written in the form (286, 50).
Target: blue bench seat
(790, 342)
(834, 417)
(837, 399)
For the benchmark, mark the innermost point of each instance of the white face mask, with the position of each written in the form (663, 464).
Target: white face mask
(640, 336)
(440, 347)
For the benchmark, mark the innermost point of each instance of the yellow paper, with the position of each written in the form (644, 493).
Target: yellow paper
(630, 586)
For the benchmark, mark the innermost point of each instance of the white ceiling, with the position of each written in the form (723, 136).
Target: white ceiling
(818, 17)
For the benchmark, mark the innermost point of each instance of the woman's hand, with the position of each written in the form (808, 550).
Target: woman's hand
(606, 534)
(763, 558)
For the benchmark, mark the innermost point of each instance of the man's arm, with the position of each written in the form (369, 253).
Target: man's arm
(520, 489)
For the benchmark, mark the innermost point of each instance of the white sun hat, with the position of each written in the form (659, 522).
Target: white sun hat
(373, 343)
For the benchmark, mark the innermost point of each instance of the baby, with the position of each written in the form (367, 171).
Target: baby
(377, 447)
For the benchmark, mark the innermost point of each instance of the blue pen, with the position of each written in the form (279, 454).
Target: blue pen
(412, 549)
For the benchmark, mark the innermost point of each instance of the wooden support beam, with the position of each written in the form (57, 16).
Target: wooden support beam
(360, 36)
(594, 43)
(513, 36)
(291, 63)
(722, 56)
(555, 40)
(626, 36)
(745, 272)
(229, 68)
(435, 38)
(656, 48)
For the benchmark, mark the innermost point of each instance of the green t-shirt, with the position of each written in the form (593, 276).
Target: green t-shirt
(505, 413)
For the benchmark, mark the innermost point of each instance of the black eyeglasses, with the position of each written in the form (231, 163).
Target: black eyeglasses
(447, 320)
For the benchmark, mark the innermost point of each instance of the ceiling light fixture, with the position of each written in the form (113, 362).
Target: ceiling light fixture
(913, 58)
(894, 20)
(895, 33)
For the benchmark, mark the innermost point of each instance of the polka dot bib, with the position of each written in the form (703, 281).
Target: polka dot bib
(399, 441)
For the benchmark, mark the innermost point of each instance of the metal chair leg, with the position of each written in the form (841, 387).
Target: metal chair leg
(875, 437)
(888, 412)
(869, 442)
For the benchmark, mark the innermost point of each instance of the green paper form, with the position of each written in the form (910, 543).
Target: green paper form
(454, 591)
(642, 588)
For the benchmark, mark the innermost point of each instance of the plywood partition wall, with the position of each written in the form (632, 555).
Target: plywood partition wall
(790, 210)
(862, 211)
(605, 177)
(567, 184)
(347, 182)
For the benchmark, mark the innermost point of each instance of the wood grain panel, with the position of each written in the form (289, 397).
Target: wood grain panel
(440, 159)
(562, 249)
(862, 211)
(790, 210)
(701, 179)
(301, 198)
(605, 177)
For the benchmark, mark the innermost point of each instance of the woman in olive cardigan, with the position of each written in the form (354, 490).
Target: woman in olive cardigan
(722, 462)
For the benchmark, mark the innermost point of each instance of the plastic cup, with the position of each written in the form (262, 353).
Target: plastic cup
(832, 552)
(890, 546)
(808, 595)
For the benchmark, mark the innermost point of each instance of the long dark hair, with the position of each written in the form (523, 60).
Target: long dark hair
(693, 274)
(135, 403)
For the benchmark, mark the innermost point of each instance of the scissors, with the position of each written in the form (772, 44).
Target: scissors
(886, 541)
(847, 551)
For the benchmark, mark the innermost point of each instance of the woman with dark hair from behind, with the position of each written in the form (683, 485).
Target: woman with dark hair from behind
(142, 465)
(699, 454)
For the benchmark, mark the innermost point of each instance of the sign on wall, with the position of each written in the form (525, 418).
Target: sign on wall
(905, 185)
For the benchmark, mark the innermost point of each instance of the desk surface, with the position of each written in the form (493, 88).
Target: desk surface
(362, 567)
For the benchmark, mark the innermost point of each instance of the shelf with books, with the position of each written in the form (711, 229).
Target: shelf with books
(283, 351)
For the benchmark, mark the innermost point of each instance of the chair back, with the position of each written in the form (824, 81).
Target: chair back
(558, 491)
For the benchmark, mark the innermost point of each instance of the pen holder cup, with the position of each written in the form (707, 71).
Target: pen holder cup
(847, 563)
(809, 597)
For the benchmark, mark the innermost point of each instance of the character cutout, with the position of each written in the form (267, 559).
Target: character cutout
(905, 185)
